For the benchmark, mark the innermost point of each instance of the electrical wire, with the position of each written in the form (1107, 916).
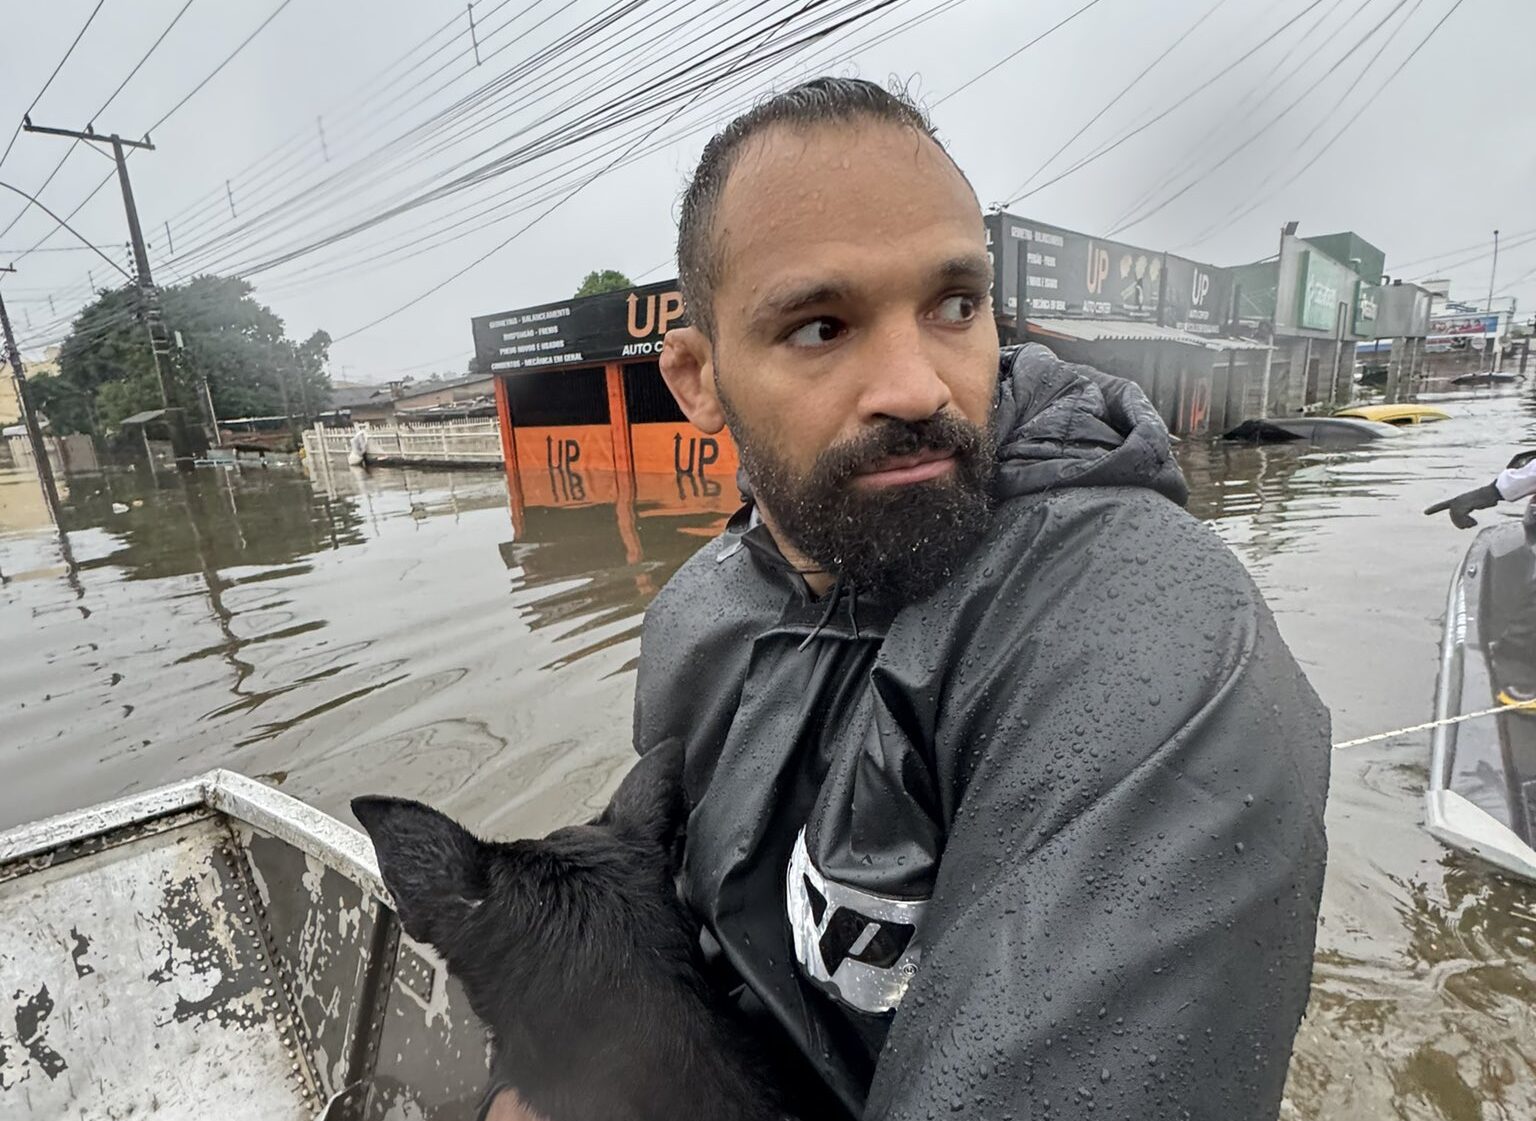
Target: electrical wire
(1253, 136)
(1339, 134)
(1241, 110)
(67, 226)
(1015, 54)
(1126, 89)
(1173, 108)
(28, 111)
(700, 88)
(167, 116)
(105, 105)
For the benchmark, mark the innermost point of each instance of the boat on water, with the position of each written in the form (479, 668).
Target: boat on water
(1395, 414)
(1481, 797)
(216, 948)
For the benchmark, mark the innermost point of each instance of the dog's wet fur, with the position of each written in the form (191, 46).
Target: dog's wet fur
(577, 954)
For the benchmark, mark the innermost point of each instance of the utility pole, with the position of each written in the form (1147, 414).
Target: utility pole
(34, 433)
(1494, 271)
(149, 302)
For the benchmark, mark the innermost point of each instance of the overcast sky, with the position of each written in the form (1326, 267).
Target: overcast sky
(1426, 168)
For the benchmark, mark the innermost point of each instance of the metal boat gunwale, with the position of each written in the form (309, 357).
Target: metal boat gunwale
(283, 816)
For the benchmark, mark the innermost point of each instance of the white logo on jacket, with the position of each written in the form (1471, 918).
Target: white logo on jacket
(858, 947)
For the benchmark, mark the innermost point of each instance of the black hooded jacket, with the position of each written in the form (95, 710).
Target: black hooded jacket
(1048, 844)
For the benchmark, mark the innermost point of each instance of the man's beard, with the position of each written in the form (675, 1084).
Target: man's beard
(901, 543)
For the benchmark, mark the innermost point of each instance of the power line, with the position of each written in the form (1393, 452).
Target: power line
(507, 241)
(1240, 111)
(266, 161)
(1015, 54)
(1253, 136)
(1112, 102)
(399, 146)
(521, 191)
(67, 226)
(1180, 103)
(1338, 135)
(167, 116)
(622, 106)
(708, 90)
(1410, 263)
(78, 36)
(105, 105)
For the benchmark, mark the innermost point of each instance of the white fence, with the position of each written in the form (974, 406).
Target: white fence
(476, 441)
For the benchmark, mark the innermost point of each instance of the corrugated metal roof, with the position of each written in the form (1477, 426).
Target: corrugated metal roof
(142, 418)
(1222, 342)
(1135, 330)
(1114, 330)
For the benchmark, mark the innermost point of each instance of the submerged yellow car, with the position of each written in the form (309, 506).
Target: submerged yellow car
(1395, 414)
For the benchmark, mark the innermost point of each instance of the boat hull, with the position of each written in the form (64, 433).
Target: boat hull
(216, 948)
(1481, 797)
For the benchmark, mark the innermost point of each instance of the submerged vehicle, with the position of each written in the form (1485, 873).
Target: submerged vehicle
(1395, 414)
(1309, 429)
(1487, 377)
(1482, 777)
(217, 948)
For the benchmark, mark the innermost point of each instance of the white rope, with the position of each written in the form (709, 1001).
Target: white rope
(1526, 705)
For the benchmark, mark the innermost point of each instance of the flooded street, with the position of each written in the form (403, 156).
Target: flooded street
(397, 632)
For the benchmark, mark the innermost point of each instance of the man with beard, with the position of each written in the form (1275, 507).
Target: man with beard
(1006, 796)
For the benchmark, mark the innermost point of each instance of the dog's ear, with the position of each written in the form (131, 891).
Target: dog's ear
(650, 804)
(434, 867)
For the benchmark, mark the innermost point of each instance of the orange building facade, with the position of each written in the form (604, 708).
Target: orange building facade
(585, 416)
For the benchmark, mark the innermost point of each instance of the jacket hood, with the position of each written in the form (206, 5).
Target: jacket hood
(1061, 424)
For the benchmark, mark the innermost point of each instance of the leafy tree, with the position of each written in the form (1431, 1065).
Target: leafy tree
(107, 372)
(608, 280)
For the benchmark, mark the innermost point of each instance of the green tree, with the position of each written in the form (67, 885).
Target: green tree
(107, 373)
(609, 280)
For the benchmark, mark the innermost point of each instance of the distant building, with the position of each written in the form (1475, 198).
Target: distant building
(1467, 336)
(1156, 318)
(449, 399)
(47, 366)
(10, 407)
(362, 404)
(1316, 299)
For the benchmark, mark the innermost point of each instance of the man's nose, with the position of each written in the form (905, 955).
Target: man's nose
(902, 382)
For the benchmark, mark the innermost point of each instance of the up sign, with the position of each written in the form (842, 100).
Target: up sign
(624, 324)
(649, 318)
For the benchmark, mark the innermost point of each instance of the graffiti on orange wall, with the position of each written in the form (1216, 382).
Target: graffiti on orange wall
(681, 449)
(568, 465)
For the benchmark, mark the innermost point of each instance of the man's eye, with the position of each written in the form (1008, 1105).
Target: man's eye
(957, 309)
(818, 332)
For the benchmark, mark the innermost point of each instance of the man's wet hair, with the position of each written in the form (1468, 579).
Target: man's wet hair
(820, 101)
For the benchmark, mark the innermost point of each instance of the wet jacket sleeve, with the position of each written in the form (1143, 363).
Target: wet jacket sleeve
(1517, 482)
(1122, 925)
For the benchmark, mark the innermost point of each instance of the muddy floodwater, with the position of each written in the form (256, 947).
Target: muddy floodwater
(401, 632)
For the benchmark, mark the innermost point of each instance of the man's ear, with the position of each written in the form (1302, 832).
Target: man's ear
(435, 868)
(688, 366)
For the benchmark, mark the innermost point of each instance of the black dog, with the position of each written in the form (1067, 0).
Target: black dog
(577, 954)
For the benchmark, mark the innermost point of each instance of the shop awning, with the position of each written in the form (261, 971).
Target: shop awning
(1222, 342)
(1134, 330)
(147, 417)
(1112, 330)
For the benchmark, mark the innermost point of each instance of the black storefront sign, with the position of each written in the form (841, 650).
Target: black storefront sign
(1197, 298)
(1069, 275)
(614, 325)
